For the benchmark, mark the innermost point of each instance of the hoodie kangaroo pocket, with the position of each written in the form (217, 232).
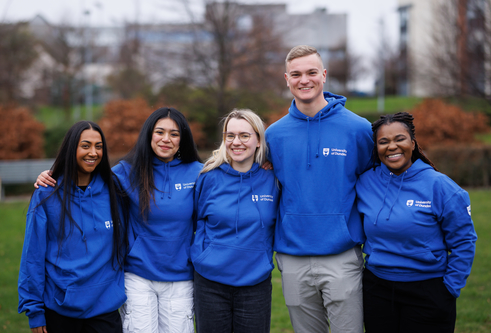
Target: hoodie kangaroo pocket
(84, 299)
(314, 234)
(233, 265)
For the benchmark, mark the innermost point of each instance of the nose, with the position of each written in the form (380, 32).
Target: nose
(392, 145)
(166, 137)
(92, 151)
(236, 140)
(304, 79)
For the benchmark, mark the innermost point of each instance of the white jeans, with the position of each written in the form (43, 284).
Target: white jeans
(157, 307)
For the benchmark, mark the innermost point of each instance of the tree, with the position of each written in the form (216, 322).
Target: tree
(21, 136)
(459, 59)
(17, 54)
(129, 79)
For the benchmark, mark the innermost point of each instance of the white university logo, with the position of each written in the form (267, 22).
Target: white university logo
(108, 224)
(469, 210)
(178, 187)
(254, 197)
(409, 203)
(325, 151)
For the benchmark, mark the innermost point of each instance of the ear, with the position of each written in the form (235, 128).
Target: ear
(286, 79)
(414, 144)
(324, 75)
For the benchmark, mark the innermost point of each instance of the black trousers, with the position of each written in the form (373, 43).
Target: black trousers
(104, 323)
(221, 308)
(407, 307)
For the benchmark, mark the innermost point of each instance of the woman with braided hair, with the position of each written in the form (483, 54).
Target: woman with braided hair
(420, 236)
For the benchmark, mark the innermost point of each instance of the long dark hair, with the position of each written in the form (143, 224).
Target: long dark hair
(405, 119)
(66, 166)
(141, 155)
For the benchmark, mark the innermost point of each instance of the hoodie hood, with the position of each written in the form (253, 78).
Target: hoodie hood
(334, 104)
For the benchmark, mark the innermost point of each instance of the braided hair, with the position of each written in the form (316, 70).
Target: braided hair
(407, 120)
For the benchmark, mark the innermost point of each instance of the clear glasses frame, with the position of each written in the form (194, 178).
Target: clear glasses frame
(243, 136)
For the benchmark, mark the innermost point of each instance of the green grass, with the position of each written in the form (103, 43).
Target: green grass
(11, 240)
(392, 104)
(52, 116)
(473, 306)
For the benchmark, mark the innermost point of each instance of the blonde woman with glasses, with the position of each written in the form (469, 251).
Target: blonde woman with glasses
(236, 203)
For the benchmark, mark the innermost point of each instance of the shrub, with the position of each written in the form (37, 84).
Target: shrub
(21, 135)
(121, 123)
(438, 123)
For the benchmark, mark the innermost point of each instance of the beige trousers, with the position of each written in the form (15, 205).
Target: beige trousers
(324, 292)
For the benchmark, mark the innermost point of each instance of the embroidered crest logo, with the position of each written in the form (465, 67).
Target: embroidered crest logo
(254, 198)
(469, 210)
(178, 187)
(409, 203)
(108, 224)
(325, 151)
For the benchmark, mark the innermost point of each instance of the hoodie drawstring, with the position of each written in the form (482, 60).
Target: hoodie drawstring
(385, 196)
(397, 196)
(319, 136)
(383, 201)
(92, 206)
(167, 182)
(238, 210)
(308, 143)
(318, 139)
(79, 192)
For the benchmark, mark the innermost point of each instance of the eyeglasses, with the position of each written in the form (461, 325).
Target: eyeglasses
(243, 136)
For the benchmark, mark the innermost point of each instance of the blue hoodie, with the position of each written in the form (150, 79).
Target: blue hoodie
(236, 214)
(317, 160)
(159, 246)
(82, 280)
(418, 226)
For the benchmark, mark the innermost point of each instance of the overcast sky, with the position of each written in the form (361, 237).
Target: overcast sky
(363, 15)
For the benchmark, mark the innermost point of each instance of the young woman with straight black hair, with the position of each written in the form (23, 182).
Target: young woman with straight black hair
(71, 273)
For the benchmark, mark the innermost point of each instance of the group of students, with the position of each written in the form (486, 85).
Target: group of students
(196, 241)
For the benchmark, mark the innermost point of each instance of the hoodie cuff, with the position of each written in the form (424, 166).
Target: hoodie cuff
(37, 321)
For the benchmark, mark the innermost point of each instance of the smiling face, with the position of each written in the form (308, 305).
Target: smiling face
(395, 147)
(242, 154)
(305, 76)
(89, 155)
(165, 139)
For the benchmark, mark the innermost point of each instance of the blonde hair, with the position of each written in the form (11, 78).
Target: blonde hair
(220, 155)
(302, 51)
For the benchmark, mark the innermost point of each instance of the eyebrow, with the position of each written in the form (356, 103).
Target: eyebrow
(90, 141)
(172, 129)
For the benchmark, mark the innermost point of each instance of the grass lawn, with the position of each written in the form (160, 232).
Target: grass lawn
(473, 306)
(392, 104)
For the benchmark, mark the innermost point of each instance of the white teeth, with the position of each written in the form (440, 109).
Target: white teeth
(396, 155)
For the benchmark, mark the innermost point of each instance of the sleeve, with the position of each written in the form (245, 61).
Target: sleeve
(32, 267)
(460, 237)
(198, 217)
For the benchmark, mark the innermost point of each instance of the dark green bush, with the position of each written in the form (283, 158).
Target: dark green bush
(467, 165)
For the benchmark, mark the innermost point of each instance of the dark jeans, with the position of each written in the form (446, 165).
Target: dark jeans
(104, 323)
(407, 307)
(220, 308)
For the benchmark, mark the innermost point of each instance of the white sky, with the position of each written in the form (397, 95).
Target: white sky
(363, 16)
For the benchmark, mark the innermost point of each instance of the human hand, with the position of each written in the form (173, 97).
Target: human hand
(40, 329)
(267, 165)
(44, 179)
